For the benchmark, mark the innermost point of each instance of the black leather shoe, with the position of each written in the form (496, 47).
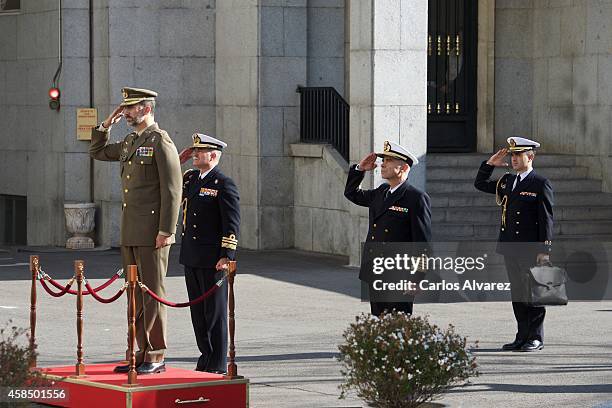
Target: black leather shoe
(532, 345)
(122, 369)
(216, 372)
(515, 345)
(151, 368)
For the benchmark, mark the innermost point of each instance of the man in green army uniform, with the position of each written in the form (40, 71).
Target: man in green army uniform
(151, 183)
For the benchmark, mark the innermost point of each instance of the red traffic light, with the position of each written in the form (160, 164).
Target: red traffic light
(54, 102)
(54, 93)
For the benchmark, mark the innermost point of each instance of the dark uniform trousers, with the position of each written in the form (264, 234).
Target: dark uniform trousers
(209, 318)
(211, 219)
(526, 230)
(401, 216)
(529, 318)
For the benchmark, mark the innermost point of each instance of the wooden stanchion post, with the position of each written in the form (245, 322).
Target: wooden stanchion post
(232, 368)
(132, 278)
(78, 271)
(34, 270)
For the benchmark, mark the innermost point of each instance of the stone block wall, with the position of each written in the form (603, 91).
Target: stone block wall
(38, 146)
(167, 46)
(322, 220)
(326, 44)
(553, 82)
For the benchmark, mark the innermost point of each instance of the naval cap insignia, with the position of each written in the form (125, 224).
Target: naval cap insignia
(387, 146)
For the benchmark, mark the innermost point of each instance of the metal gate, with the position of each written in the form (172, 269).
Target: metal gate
(451, 76)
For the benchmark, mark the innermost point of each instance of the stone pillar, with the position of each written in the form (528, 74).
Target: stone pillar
(237, 98)
(260, 61)
(387, 87)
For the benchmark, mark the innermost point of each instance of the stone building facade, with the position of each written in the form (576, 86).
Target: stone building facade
(231, 68)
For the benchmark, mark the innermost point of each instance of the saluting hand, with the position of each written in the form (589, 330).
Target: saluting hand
(114, 117)
(368, 163)
(185, 154)
(498, 159)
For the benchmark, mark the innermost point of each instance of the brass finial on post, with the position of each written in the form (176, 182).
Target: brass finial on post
(78, 271)
(34, 265)
(232, 368)
(132, 278)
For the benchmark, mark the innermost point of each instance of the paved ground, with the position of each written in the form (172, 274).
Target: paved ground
(292, 308)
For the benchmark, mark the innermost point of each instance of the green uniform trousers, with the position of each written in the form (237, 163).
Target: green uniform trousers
(150, 315)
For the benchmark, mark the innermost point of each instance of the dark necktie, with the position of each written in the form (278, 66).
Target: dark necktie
(517, 181)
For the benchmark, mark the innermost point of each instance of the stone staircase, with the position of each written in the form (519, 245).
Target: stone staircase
(462, 213)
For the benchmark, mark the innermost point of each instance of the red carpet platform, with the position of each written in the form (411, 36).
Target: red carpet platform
(176, 387)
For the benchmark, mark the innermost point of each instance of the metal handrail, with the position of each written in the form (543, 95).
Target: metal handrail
(324, 118)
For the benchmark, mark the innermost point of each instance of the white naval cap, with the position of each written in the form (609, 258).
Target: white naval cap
(521, 144)
(207, 142)
(393, 149)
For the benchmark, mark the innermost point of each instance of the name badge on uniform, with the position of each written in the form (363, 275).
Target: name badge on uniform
(399, 209)
(144, 151)
(527, 193)
(208, 192)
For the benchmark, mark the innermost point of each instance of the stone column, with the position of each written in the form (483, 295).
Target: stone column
(237, 98)
(387, 87)
(260, 61)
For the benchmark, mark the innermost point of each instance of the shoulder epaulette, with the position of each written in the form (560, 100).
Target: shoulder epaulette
(188, 173)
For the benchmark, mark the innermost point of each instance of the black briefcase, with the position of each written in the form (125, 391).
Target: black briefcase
(547, 286)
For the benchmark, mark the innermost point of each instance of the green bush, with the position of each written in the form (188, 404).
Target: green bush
(15, 359)
(401, 361)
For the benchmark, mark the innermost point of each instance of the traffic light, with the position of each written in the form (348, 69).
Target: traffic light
(54, 98)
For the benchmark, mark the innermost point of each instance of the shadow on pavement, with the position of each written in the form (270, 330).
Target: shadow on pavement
(320, 271)
(539, 389)
(268, 357)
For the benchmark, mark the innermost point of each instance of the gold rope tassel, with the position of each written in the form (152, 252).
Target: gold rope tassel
(501, 202)
(184, 204)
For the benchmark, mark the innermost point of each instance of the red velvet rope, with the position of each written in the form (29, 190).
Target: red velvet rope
(85, 292)
(101, 299)
(55, 294)
(200, 299)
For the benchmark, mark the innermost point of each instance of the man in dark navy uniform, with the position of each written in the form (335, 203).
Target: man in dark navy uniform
(525, 233)
(211, 219)
(398, 211)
